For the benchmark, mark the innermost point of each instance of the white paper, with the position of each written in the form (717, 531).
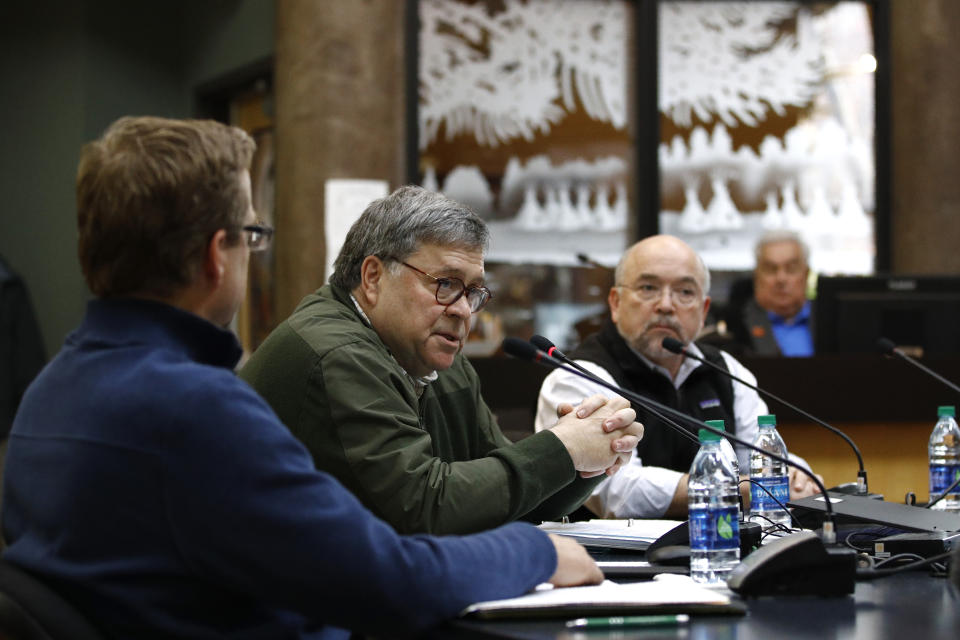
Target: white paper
(664, 590)
(344, 201)
(629, 533)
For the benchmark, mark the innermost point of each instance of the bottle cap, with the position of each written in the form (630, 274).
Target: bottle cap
(716, 424)
(947, 410)
(709, 436)
(768, 419)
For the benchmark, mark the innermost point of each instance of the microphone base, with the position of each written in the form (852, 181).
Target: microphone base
(668, 548)
(798, 564)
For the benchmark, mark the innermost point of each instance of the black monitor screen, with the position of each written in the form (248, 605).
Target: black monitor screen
(920, 314)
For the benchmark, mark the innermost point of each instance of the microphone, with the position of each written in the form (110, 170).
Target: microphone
(551, 350)
(675, 346)
(590, 262)
(525, 351)
(887, 347)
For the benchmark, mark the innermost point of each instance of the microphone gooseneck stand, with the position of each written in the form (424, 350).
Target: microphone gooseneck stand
(675, 346)
(888, 348)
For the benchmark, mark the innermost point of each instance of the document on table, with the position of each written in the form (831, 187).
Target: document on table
(636, 534)
(665, 594)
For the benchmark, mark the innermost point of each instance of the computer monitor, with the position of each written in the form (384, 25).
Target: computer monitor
(920, 314)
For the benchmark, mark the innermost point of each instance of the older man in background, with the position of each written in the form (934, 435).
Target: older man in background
(777, 319)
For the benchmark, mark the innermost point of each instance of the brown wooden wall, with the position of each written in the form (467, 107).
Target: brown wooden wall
(885, 406)
(925, 136)
(339, 87)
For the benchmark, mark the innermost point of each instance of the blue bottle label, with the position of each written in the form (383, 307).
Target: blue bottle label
(714, 529)
(760, 500)
(942, 476)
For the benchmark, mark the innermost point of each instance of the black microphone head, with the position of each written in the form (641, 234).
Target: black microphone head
(519, 348)
(542, 343)
(673, 345)
(886, 346)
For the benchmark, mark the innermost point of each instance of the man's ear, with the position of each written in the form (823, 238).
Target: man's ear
(706, 307)
(215, 259)
(613, 299)
(372, 271)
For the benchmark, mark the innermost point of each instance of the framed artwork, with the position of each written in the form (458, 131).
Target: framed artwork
(576, 127)
(523, 114)
(768, 119)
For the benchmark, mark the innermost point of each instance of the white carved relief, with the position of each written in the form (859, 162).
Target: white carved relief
(726, 60)
(515, 73)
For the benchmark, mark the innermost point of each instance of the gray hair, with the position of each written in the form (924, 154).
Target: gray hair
(394, 227)
(704, 272)
(781, 235)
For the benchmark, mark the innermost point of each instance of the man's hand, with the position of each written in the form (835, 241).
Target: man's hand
(600, 436)
(801, 485)
(574, 565)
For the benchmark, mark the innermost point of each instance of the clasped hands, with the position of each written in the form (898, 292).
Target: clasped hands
(600, 435)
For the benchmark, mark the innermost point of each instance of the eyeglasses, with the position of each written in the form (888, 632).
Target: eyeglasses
(683, 295)
(258, 236)
(449, 290)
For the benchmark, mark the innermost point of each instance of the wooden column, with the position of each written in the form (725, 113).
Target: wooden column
(339, 90)
(925, 94)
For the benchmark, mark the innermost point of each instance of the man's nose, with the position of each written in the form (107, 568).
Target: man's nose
(665, 301)
(460, 308)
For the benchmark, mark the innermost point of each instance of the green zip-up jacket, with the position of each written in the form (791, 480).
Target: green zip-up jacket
(435, 464)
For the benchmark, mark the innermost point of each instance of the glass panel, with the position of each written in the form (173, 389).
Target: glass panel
(767, 122)
(523, 116)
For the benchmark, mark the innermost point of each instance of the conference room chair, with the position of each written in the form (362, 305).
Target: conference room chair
(30, 610)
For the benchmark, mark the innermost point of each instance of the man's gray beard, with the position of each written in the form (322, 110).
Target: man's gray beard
(651, 347)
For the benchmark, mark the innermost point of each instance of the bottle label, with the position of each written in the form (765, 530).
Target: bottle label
(761, 501)
(714, 529)
(941, 477)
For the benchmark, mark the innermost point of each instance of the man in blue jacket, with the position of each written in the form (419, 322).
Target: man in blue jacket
(156, 491)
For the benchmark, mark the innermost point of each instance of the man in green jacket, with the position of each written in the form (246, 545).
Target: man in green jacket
(367, 373)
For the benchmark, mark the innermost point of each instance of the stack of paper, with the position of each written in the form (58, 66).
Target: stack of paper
(664, 594)
(615, 534)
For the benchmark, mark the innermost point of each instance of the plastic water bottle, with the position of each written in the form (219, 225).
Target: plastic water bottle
(727, 450)
(726, 447)
(713, 508)
(944, 452)
(770, 473)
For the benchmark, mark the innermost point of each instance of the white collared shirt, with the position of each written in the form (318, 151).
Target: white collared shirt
(636, 490)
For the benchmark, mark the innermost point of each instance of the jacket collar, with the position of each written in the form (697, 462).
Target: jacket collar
(133, 321)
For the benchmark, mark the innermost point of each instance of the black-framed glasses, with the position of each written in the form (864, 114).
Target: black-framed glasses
(259, 236)
(449, 290)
